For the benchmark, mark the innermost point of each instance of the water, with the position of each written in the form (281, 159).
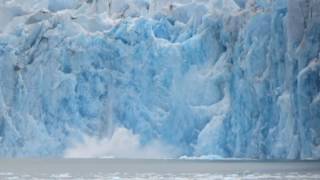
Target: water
(96, 169)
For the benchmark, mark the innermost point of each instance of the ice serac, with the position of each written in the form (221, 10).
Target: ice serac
(213, 78)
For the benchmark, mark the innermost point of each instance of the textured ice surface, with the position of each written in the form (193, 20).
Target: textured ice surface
(216, 78)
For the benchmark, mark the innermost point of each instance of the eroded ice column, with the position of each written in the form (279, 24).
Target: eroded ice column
(303, 60)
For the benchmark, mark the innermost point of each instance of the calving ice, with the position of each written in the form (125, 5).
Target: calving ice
(206, 78)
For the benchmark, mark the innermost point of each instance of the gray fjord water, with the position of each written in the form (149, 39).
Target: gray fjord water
(155, 169)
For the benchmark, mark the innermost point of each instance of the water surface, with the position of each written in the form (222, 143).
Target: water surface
(155, 169)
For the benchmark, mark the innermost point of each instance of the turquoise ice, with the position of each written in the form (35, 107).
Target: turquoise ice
(230, 78)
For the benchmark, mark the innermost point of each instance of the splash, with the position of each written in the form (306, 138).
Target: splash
(122, 144)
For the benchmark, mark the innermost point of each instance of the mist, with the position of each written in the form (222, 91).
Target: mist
(122, 144)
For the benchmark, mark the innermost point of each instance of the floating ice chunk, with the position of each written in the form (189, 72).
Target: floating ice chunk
(61, 176)
(6, 173)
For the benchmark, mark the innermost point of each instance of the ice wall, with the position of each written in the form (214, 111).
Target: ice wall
(227, 78)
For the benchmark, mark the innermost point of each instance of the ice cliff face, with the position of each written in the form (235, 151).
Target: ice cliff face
(232, 78)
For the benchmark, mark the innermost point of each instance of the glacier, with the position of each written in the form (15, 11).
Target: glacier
(221, 78)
